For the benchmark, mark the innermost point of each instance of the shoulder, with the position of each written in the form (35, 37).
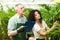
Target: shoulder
(12, 18)
(36, 25)
(24, 18)
(43, 21)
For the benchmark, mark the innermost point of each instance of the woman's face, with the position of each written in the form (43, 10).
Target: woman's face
(37, 16)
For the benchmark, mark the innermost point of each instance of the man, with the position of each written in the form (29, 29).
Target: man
(15, 24)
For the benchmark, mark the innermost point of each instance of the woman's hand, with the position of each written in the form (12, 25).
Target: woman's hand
(55, 24)
(53, 27)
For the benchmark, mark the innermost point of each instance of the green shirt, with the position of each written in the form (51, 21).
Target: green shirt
(14, 23)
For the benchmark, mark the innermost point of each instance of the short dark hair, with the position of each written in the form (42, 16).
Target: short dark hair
(31, 16)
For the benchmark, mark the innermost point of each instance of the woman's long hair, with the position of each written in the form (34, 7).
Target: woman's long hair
(31, 16)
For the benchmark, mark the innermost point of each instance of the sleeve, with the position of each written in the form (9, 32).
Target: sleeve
(36, 27)
(11, 25)
(44, 24)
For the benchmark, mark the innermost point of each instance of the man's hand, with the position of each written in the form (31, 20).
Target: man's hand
(21, 29)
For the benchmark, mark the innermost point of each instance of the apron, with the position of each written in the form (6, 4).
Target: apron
(21, 35)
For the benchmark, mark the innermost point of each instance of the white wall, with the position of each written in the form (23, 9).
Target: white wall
(26, 3)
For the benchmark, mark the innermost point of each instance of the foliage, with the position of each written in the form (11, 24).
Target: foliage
(4, 17)
(50, 14)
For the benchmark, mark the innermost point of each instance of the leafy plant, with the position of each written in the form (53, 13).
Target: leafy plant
(50, 14)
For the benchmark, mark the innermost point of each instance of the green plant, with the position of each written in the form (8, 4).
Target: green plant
(50, 14)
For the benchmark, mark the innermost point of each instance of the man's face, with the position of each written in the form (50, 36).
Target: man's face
(20, 9)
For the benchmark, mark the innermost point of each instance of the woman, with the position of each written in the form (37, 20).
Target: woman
(40, 27)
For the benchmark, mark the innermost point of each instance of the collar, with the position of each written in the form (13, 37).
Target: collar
(18, 15)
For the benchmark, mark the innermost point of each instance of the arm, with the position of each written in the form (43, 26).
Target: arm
(11, 28)
(53, 27)
(39, 30)
(12, 33)
(42, 33)
(20, 29)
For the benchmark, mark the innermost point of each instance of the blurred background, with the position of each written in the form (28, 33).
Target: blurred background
(50, 13)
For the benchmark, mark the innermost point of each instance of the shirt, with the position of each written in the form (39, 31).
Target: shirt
(36, 28)
(14, 20)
